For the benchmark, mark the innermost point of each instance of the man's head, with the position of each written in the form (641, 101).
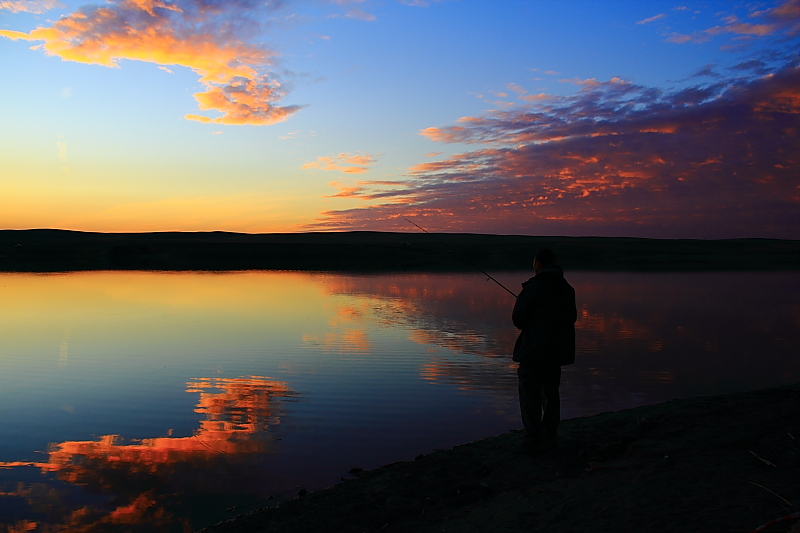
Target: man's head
(543, 258)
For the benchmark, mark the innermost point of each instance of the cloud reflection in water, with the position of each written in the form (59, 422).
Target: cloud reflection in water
(642, 337)
(390, 366)
(155, 484)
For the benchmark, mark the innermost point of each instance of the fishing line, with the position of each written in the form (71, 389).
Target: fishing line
(465, 260)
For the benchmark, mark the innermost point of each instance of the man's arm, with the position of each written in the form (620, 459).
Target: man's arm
(521, 316)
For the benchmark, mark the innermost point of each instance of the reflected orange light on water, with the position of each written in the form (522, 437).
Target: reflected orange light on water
(610, 329)
(238, 413)
(45, 314)
(642, 338)
(243, 409)
(77, 291)
(627, 323)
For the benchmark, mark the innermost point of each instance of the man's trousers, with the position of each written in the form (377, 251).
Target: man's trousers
(539, 402)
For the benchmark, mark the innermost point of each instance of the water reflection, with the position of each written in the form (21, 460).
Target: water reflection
(641, 338)
(458, 311)
(155, 484)
(388, 366)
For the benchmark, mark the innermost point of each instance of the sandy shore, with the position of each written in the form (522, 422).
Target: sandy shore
(724, 463)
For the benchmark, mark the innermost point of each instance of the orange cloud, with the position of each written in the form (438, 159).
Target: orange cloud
(150, 5)
(522, 95)
(442, 135)
(346, 192)
(368, 190)
(534, 97)
(345, 162)
(186, 33)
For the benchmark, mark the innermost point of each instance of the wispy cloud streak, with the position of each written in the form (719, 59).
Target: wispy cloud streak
(28, 6)
(344, 162)
(652, 19)
(210, 37)
(782, 19)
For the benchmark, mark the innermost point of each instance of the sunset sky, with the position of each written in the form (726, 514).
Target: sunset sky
(614, 118)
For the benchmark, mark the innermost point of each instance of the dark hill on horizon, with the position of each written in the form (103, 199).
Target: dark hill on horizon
(50, 250)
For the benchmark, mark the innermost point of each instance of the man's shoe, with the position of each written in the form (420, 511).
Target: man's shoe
(527, 448)
(549, 439)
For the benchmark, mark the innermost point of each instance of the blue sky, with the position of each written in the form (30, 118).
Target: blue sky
(305, 100)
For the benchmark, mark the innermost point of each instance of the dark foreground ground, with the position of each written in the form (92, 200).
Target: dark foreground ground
(711, 464)
(47, 250)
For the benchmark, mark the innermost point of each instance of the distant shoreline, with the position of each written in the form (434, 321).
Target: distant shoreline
(46, 250)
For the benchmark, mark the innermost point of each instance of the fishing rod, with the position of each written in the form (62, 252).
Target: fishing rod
(465, 260)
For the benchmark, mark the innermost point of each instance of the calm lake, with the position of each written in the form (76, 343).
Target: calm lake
(133, 401)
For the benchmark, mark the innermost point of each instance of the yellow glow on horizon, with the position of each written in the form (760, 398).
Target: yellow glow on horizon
(31, 296)
(244, 213)
(42, 190)
(46, 319)
(79, 211)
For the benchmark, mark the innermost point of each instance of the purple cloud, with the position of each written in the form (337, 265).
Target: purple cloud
(616, 158)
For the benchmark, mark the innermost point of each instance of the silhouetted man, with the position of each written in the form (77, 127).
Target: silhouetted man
(545, 311)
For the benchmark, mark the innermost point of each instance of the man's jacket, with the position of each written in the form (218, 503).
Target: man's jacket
(546, 313)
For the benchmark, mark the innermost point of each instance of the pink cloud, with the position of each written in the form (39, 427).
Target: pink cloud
(652, 19)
